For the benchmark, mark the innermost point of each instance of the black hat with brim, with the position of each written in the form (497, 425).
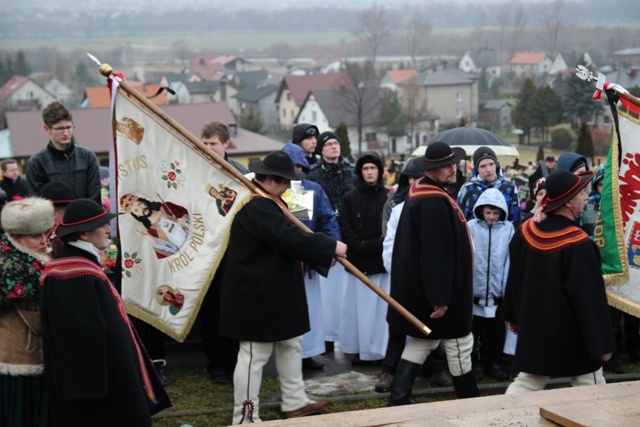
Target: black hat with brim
(279, 164)
(57, 192)
(562, 186)
(83, 215)
(440, 153)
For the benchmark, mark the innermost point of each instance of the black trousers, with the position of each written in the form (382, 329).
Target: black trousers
(221, 351)
(489, 335)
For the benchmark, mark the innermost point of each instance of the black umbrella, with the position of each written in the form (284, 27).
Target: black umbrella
(470, 139)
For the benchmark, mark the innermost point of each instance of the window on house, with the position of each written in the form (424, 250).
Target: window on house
(288, 96)
(458, 113)
(314, 116)
(458, 96)
(370, 136)
(284, 114)
(292, 115)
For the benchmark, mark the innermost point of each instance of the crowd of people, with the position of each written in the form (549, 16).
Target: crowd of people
(491, 277)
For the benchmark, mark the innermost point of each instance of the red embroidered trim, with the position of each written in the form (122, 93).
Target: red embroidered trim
(550, 241)
(249, 414)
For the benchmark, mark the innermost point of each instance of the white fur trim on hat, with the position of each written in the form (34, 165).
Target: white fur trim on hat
(32, 215)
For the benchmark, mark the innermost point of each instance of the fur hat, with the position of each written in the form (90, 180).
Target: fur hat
(563, 186)
(32, 215)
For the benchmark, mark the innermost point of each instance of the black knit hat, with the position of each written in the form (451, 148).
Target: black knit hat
(279, 164)
(483, 153)
(83, 215)
(440, 153)
(324, 137)
(303, 131)
(563, 186)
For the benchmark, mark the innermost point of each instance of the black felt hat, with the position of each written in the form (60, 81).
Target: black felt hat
(83, 215)
(58, 193)
(563, 186)
(279, 164)
(440, 153)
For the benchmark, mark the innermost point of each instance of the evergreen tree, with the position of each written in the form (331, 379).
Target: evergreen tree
(540, 154)
(252, 120)
(391, 118)
(83, 78)
(585, 141)
(7, 69)
(521, 116)
(545, 110)
(343, 136)
(22, 67)
(577, 100)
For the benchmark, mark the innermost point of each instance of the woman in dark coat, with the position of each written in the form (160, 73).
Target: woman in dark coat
(98, 373)
(363, 326)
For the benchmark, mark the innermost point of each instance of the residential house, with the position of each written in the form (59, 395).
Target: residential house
(564, 64)
(627, 57)
(211, 91)
(448, 93)
(293, 92)
(99, 97)
(214, 67)
(22, 93)
(496, 113)
(262, 97)
(175, 81)
(245, 78)
(481, 60)
(393, 78)
(93, 127)
(530, 64)
(60, 91)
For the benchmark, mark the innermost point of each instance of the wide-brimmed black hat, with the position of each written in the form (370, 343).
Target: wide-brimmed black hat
(440, 153)
(83, 215)
(279, 164)
(563, 186)
(57, 192)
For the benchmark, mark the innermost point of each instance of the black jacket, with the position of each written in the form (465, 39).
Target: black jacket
(77, 167)
(263, 295)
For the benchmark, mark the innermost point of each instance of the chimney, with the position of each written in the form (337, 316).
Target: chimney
(223, 90)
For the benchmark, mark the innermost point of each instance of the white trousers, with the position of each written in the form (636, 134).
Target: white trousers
(525, 382)
(363, 322)
(313, 341)
(248, 376)
(458, 351)
(331, 292)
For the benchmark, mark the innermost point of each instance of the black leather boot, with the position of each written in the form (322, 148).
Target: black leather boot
(465, 386)
(402, 385)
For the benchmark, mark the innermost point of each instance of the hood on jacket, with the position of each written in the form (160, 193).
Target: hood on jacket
(370, 157)
(571, 162)
(299, 132)
(297, 156)
(492, 197)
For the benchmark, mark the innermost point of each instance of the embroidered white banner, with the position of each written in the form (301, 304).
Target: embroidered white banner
(177, 205)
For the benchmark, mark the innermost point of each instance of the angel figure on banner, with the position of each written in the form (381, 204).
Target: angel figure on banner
(165, 224)
(224, 197)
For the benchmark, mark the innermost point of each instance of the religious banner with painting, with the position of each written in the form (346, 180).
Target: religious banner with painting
(177, 206)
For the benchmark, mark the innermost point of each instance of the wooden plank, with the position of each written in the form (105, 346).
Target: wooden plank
(586, 414)
(500, 410)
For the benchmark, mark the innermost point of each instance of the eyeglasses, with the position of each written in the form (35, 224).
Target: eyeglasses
(61, 129)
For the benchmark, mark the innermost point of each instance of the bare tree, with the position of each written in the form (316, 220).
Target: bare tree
(181, 49)
(552, 25)
(518, 28)
(417, 34)
(360, 100)
(374, 29)
(414, 107)
(282, 51)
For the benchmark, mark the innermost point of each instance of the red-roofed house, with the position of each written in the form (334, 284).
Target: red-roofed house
(98, 97)
(22, 93)
(530, 64)
(392, 78)
(293, 92)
